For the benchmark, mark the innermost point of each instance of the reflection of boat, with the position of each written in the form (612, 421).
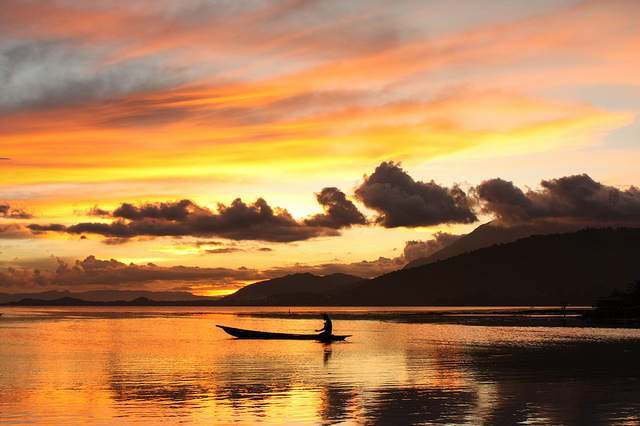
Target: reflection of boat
(251, 334)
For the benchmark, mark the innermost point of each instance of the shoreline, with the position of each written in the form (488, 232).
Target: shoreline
(496, 316)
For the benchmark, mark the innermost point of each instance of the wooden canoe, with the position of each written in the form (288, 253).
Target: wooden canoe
(253, 334)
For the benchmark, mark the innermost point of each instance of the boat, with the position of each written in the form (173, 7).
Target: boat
(253, 334)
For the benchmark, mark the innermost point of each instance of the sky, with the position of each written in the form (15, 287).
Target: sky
(202, 145)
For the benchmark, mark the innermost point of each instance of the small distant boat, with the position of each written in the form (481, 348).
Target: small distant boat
(252, 334)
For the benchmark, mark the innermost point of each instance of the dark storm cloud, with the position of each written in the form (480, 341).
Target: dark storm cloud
(570, 198)
(402, 201)
(93, 271)
(339, 212)
(237, 221)
(10, 213)
(420, 249)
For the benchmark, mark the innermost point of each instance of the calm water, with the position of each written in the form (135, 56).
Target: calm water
(147, 365)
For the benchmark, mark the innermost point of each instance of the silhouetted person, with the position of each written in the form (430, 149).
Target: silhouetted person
(328, 326)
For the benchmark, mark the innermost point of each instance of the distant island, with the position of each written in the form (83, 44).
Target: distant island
(105, 298)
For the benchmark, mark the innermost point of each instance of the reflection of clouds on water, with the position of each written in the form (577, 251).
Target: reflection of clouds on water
(151, 366)
(404, 382)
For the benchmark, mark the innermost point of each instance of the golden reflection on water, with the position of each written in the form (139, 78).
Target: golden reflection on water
(100, 365)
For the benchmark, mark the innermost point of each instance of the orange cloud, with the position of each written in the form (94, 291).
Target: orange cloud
(122, 101)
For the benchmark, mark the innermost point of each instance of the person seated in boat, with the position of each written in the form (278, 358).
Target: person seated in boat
(328, 326)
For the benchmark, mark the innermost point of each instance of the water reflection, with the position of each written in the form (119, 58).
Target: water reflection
(579, 383)
(337, 404)
(79, 366)
(148, 388)
(420, 405)
(327, 351)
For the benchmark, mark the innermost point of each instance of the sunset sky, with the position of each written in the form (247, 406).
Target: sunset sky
(328, 119)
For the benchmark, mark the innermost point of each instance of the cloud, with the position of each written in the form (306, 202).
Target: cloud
(10, 213)
(576, 198)
(207, 243)
(503, 199)
(372, 268)
(339, 212)
(97, 211)
(224, 250)
(40, 74)
(112, 273)
(237, 221)
(402, 201)
(92, 272)
(176, 211)
(364, 268)
(420, 249)
(67, 57)
(21, 278)
(14, 231)
(54, 227)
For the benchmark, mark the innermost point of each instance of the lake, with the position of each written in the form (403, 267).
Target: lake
(151, 365)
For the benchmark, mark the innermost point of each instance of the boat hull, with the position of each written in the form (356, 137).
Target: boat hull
(253, 334)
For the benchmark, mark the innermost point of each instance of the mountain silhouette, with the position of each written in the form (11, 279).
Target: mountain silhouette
(63, 301)
(575, 268)
(294, 289)
(105, 296)
(492, 233)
